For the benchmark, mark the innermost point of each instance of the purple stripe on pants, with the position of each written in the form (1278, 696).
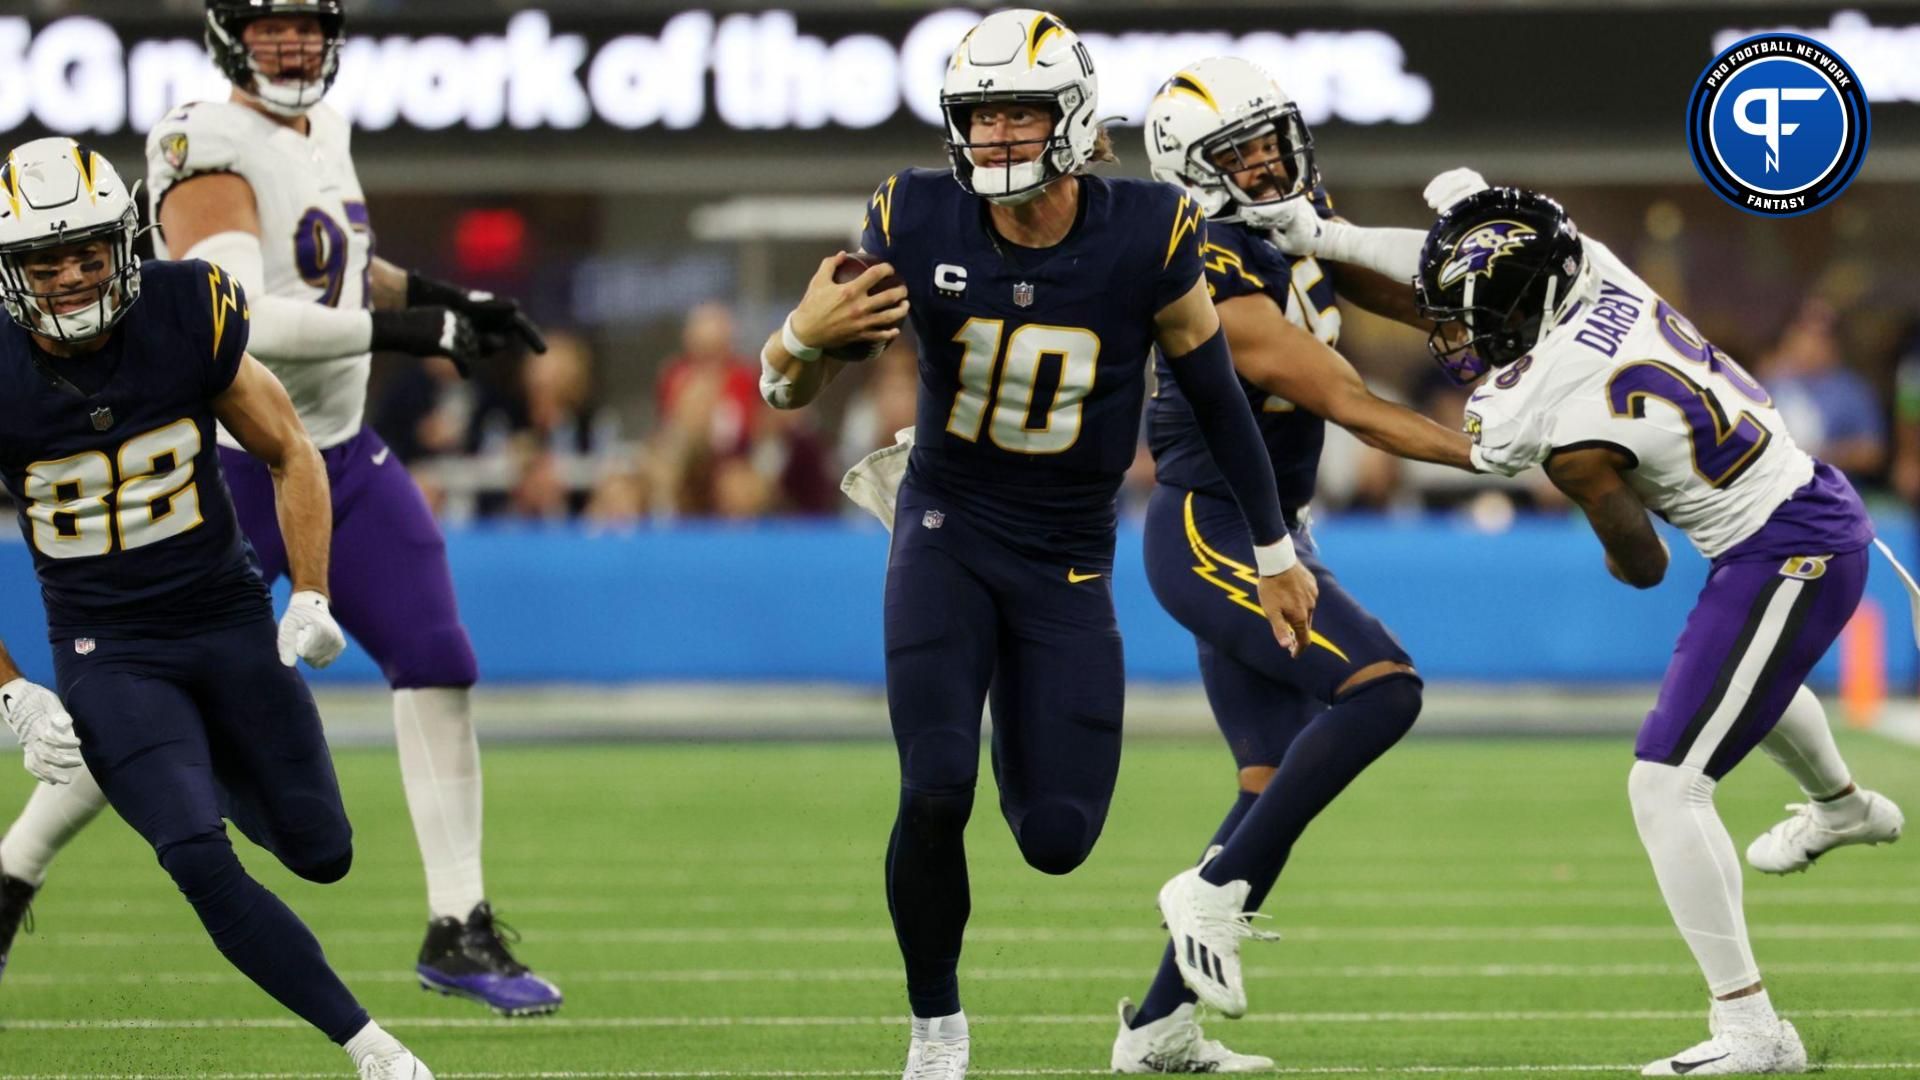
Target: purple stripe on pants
(391, 587)
(1757, 630)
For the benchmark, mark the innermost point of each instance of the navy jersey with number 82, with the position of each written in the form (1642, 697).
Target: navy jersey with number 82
(115, 476)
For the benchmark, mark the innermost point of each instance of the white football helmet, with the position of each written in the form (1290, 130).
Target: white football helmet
(1208, 120)
(1028, 57)
(55, 192)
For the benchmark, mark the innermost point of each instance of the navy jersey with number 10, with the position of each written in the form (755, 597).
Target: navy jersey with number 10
(115, 473)
(1033, 360)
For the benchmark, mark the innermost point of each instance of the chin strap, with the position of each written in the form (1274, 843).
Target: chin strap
(1547, 312)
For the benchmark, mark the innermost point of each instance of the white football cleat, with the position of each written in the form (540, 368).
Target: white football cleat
(1738, 1051)
(1207, 924)
(1175, 1044)
(930, 1058)
(1792, 845)
(400, 1066)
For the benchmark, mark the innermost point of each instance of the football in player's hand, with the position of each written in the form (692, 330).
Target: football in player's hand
(850, 267)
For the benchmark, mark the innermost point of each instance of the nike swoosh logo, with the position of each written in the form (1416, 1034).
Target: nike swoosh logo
(1075, 577)
(1685, 1067)
(381, 457)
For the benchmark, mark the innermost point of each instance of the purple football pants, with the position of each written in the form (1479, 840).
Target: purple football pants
(390, 585)
(1754, 634)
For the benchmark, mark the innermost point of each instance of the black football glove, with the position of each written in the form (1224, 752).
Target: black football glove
(496, 319)
(429, 331)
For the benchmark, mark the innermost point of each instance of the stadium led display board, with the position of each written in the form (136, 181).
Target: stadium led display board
(698, 70)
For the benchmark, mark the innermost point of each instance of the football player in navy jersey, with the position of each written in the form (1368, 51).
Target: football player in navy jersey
(1300, 727)
(173, 682)
(1036, 292)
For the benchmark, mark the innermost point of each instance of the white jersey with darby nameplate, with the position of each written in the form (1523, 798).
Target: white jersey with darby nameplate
(1624, 370)
(316, 241)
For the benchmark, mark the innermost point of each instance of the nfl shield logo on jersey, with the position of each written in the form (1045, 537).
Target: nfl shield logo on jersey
(1023, 294)
(932, 519)
(83, 645)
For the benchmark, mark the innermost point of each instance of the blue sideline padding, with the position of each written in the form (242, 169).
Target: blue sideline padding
(787, 601)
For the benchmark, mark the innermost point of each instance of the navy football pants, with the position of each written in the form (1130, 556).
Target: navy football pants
(1198, 558)
(183, 732)
(970, 621)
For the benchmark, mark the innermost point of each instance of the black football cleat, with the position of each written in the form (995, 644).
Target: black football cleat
(16, 911)
(470, 960)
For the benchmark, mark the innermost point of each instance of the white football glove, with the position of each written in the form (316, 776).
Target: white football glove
(308, 632)
(1452, 186)
(44, 729)
(1298, 228)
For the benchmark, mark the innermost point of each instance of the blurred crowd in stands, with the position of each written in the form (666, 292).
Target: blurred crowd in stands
(539, 444)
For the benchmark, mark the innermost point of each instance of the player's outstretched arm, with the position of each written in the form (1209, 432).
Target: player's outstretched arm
(1592, 478)
(40, 723)
(255, 408)
(1373, 267)
(793, 365)
(213, 217)
(1188, 331)
(1373, 291)
(498, 320)
(1281, 358)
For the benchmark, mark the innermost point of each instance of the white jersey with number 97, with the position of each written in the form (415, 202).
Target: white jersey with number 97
(1623, 370)
(316, 241)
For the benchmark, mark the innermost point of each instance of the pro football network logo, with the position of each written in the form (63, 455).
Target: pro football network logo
(1778, 125)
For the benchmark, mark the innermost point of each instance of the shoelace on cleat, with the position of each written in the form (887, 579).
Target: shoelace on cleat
(1238, 924)
(937, 1059)
(490, 935)
(1173, 1049)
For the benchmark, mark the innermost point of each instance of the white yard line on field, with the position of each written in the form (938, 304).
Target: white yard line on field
(1461, 1016)
(1075, 899)
(804, 1074)
(1012, 974)
(760, 935)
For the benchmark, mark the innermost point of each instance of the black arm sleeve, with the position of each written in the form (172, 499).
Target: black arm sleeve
(1207, 379)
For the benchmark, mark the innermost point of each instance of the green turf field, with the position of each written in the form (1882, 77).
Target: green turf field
(1472, 907)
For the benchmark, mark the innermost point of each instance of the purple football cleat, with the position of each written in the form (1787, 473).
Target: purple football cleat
(16, 908)
(471, 961)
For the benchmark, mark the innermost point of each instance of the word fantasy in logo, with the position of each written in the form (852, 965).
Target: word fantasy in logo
(1778, 125)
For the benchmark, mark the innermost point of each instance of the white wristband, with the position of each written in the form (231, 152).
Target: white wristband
(775, 388)
(796, 348)
(1275, 558)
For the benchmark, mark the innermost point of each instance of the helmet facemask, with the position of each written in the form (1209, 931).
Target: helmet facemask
(108, 299)
(285, 77)
(1495, 337)
(1272, 146)
(1018, 181)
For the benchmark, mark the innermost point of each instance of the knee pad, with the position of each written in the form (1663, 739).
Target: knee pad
(324, 871)
(1055, 837)
(1393, 698)
(432, 656)
(935, 818)
(1658, 790)
(939, 761)
(203, 868)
